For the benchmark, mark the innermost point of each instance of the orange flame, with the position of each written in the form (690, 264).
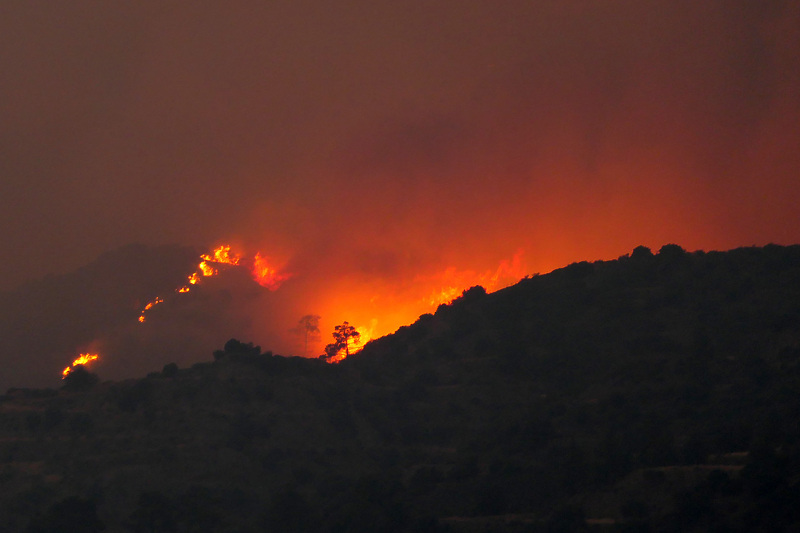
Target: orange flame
(355, 345)
(386, 311)
(82, 360)
(207, 270)
(457, 281)
(221, 255)
(149, 306)
(265, 275)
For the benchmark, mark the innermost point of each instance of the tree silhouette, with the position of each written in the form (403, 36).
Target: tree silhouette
(80, 379)
(343, 335)
(308, 329)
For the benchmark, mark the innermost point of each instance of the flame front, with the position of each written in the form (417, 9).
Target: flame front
(82, 360)
(210, 265)
(387, 308)
(455, 281)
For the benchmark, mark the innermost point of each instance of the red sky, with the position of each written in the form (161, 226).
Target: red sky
(370, 144)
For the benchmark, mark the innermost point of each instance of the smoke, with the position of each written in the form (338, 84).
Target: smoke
(367, 148)
(400, 130)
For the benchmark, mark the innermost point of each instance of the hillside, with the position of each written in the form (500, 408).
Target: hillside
(657, 392)
(43, 322)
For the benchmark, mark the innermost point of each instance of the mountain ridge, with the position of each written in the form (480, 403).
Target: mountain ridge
(655, 392)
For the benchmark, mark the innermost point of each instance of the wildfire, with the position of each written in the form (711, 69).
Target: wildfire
(210, 265)
(456, 281)
(265, 275)
(221, 255)
(148, 307)
(385, 311)
(356, 343)
(82, 360)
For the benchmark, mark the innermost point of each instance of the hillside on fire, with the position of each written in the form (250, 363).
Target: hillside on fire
(654, 393)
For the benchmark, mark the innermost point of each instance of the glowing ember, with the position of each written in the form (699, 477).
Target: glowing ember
(82, 360)
(265, 275)
(149, 306)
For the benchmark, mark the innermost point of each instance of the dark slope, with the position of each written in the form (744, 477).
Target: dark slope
(652, 393)
(42, 323)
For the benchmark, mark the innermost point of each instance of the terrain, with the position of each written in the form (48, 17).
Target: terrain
(655, 392)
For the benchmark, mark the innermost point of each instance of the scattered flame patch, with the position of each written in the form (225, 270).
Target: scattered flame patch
(82, 360)
(148, 307)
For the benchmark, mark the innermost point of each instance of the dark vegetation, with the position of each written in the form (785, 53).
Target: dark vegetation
(658, 392)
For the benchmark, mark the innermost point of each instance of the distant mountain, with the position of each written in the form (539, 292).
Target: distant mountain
(657, 392)
(42, 323)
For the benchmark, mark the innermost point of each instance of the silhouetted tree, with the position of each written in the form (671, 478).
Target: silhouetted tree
(308, 329)
(641, 252)
(80, 379)
(235, 347)
(343, 335)
(671, 251)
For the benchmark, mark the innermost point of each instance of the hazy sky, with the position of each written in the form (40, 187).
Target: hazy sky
(387, 140)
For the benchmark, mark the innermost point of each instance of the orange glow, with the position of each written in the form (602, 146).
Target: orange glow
(265, 275)
(82, 360)
(385, 308)
(355, 345)
(452, 282)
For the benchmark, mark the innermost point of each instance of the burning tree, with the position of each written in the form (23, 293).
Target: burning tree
(343, 335)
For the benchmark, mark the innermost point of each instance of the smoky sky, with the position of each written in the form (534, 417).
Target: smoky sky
(381, 139)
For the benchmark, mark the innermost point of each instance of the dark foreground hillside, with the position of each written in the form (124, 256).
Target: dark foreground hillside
(652, 393)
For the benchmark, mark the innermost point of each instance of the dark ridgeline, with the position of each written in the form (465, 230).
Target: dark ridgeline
(657, 392)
